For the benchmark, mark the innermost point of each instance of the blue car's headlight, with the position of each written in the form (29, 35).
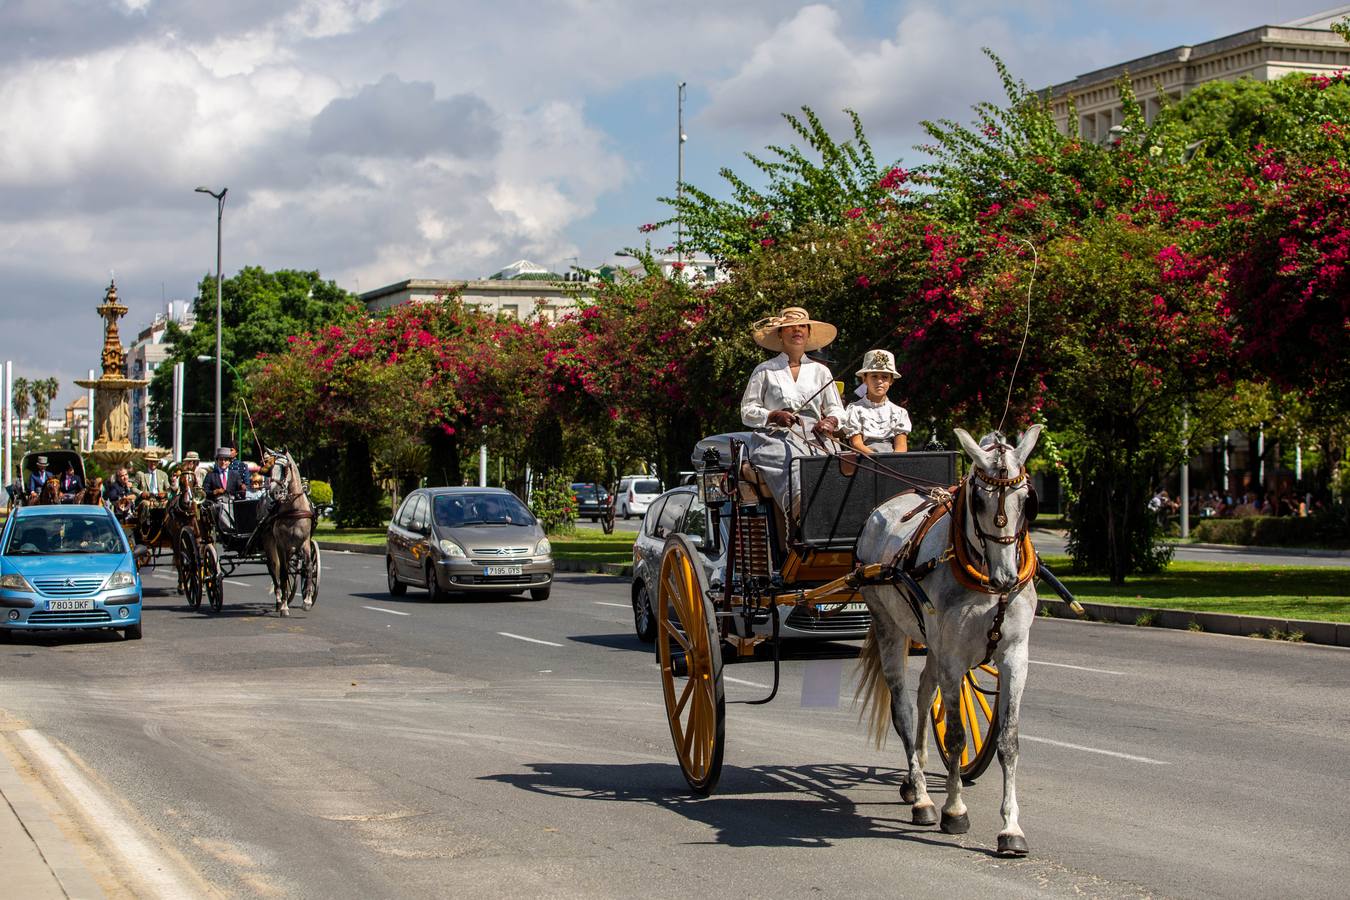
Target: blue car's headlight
(15, 582)
(120, 579)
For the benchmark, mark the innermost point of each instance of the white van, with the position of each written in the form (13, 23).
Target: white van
(636, 492)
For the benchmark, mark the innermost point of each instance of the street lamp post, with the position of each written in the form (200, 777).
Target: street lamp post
(220, 214)
(238, 380)
(679, 171)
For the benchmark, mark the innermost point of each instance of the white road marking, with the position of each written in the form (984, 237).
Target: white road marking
(392, 612)
(619, 605)
(754, 684)
(165, 575)
(240, 583)
(1130, 756)
(153, 870)
(521, 637)
(1037, 662)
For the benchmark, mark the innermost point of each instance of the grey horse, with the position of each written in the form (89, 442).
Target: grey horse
(288, 530)
(962, 627)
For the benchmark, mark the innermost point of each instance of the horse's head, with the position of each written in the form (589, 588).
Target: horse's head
(1000, 499)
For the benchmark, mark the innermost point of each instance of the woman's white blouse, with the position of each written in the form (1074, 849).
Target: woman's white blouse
(875, 421)
(771, 387)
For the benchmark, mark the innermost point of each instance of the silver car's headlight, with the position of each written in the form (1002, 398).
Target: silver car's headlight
(16, 582)
(120, 579)
(452, 550)
(544, 548)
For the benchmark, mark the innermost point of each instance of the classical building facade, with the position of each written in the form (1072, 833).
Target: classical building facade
(520, 299)
(143, 359)
(1264, 53)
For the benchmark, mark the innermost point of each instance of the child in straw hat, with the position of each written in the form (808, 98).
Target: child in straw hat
(874, 424)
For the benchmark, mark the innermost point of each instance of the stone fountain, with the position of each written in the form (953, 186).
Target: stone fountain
(112, 403)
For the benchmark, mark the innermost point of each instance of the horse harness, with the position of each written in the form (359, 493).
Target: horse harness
(904, 572)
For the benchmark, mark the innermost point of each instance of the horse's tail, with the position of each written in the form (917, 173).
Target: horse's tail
(873, 690)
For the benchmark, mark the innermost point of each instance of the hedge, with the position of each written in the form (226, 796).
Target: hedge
(1266, 531)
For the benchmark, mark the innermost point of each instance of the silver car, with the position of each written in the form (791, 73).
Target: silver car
(682, 511)
(467, 539)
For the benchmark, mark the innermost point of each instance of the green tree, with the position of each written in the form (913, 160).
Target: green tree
(260, 310)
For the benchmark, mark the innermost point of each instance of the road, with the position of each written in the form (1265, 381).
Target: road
(391, 747)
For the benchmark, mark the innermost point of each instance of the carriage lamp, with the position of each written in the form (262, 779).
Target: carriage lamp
(120, 578)
(451, 549)
(713, 478)
(15, 582)
(544, 548)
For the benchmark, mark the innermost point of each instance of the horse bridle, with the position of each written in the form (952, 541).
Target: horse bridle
(1005, 485)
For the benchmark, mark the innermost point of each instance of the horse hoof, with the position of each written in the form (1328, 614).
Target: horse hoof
(955, 824)
(1012, 845)
(908, 794)
(924, 815)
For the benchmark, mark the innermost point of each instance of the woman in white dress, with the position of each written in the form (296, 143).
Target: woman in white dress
(787, 397)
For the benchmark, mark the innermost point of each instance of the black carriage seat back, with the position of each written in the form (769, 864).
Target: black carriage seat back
(246, 514)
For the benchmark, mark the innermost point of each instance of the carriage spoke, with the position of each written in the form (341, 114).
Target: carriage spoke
(972, 725)
(675, 633)
(978, 694)
(684, 697)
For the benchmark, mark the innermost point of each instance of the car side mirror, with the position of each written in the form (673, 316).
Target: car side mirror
(695, 539)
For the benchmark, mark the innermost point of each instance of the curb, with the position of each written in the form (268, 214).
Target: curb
(1334, 634)
(54, 850)
(1272, 551)
(560, 565)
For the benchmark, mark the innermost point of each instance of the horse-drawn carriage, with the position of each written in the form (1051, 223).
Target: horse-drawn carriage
(866, 529)
(57, 461)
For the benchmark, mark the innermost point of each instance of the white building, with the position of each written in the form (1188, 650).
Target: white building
(518, 298)
(143, 359)
(1264, 53)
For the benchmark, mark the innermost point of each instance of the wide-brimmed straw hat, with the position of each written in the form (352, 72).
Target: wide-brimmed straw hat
(765, 331)
(878, 361)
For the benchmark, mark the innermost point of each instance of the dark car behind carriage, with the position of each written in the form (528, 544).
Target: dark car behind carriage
(681, 510)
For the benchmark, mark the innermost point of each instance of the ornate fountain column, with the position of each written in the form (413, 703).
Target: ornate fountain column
(111, 419)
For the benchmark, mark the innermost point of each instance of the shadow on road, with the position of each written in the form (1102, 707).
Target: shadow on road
(810, 810)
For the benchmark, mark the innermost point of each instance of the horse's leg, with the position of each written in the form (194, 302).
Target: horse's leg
(927, 693)
(954, 818)
(307, 600)
(914, 789)
(1012, 669)
(271, 553)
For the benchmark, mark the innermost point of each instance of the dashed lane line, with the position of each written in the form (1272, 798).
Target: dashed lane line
(1130, 756)
(607, 603)
(753, 684)
(1037, 662)
(521, 637)
(392, 612)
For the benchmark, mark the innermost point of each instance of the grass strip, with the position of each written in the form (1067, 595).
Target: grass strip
(1287, 592)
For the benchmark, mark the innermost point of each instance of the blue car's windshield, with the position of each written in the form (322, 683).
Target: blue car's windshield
(64, 533)
(459, 510)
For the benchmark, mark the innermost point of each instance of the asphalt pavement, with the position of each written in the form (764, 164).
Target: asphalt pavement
(391, 747)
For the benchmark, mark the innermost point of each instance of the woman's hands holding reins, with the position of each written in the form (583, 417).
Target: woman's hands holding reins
(783, 418)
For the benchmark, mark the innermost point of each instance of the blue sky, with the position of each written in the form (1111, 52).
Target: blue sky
(376, 140)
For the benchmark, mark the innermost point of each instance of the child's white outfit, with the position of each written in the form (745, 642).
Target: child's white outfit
(878, 423)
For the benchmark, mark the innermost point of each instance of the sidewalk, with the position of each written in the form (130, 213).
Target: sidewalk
(36, 859)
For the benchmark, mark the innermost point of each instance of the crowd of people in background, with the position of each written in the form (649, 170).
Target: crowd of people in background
(1206, 504)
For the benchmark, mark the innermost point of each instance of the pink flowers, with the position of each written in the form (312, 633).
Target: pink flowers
(893, 179)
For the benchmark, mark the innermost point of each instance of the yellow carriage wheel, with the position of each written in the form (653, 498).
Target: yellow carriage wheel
(689, 652)
(979, 718)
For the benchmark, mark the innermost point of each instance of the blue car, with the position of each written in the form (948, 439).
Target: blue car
(67, 566)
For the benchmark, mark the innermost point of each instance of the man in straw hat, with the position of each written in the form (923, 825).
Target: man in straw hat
(787, 396)
(874, 424)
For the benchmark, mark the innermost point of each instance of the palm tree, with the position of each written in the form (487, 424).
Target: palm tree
(20, 402)
(53, 388)
(42, 407)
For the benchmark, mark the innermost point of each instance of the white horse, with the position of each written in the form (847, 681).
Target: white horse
(983, 603)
